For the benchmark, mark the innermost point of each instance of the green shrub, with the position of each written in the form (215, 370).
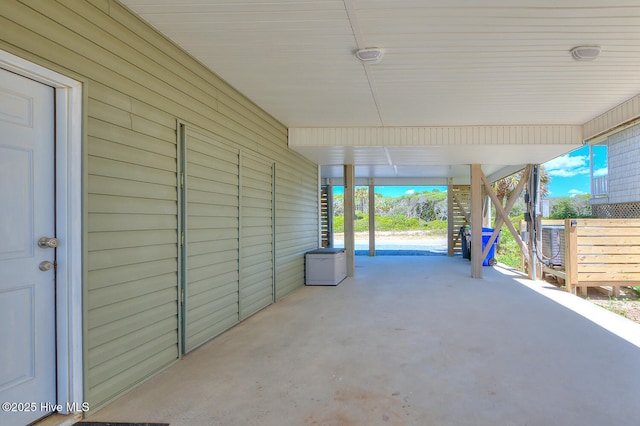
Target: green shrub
(508, 249)
(361, 224)
(438, 227)
(396, 222)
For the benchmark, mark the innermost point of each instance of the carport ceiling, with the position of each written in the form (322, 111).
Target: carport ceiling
(446, 62)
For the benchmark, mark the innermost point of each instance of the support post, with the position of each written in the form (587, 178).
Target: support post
(531, 226)
(592, 186)
(537, 209)
(349, 212)
(330, 211)
(319, 206)
(372, 219)
(476, 221)
(450, 231)
(538, 246)
(570, 254)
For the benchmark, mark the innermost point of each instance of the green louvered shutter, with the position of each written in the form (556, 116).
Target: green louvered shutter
(210, 254)
(256, 234)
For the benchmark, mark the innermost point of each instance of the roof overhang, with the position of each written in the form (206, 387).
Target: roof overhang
(430, 155)
(450, 66)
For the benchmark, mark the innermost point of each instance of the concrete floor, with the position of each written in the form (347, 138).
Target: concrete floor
(408, 341)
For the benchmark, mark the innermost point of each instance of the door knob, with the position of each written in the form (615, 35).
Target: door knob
(46, 266)
(45, 242)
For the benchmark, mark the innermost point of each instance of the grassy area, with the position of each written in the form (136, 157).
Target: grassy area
(509, 251)
(395, 222)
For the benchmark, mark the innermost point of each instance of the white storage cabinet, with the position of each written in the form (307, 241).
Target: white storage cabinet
(325, 266)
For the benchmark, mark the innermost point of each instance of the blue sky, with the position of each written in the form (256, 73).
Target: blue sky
(569, 175)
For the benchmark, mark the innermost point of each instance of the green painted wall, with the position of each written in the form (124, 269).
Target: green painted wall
(137, 84)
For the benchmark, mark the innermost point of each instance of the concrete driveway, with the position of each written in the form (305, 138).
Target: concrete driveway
(408, 341)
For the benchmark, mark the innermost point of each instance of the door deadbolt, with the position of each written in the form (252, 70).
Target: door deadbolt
(46, 265)
(45, 242)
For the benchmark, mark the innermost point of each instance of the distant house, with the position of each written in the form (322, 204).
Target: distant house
(615, 188)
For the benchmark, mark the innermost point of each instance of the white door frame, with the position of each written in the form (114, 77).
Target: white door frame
(68, 137)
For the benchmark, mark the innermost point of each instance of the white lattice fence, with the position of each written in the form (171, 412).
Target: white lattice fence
(616, 211)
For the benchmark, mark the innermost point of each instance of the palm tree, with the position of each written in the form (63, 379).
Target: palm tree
(504, 187)
(362, 197)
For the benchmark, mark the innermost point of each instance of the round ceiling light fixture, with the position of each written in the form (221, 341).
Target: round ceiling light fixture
(370, 55)
(585, 53)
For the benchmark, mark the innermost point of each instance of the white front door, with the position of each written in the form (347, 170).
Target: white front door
(27, 287)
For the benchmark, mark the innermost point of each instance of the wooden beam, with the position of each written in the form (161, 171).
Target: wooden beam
(464, 211)
(570, 254)
(499, 219)
(505, 217)
(557, 272)
(330, 212)
(372, 219)
(451, 240)
(349, 212)
(476, 220)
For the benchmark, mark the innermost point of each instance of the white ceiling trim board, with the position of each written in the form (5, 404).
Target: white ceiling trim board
(418, 181)
(615, 117)
(436, 136)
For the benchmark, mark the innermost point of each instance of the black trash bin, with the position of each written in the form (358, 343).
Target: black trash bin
(465, 242)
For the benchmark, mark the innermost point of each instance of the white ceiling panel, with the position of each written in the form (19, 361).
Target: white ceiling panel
(446, 63)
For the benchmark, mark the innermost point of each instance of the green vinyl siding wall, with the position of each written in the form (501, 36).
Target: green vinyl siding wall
(137, 84)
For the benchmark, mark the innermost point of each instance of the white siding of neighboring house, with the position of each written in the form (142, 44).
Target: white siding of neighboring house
(624, 166)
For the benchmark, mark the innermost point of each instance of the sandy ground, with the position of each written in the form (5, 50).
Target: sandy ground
(399, 237)
(627, 308)
(626, 304)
